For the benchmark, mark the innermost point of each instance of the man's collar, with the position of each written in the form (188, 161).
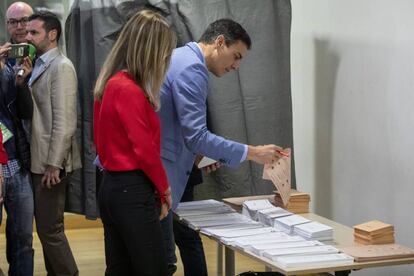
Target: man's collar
(197, 49)
(49, 55)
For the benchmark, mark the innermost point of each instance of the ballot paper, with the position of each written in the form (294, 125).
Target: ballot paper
(251, 207)
(273, 254)
(279, 237)
(374, 232)
(237, 232)
(211, 231)
(245, 232)
(203, 207)
(267, 216)
(206, 217)
(214, 220)
(279, 172)
(259, 249)
(198, 204)
(244, 242)
(205, 161)
(314, 230)
(314, 260)
(286, 224)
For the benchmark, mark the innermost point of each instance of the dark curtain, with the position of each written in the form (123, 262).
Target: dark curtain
(252, 106)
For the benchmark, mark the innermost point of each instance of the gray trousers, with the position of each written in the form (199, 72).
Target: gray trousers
(49, 211)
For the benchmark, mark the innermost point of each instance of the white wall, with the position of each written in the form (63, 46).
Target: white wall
(353, 111)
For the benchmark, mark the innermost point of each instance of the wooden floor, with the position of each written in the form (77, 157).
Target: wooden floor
(87, 243)
(88, 248)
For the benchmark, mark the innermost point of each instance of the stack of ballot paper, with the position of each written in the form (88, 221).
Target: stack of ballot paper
(238, 226)
(314, 230)
(314, 260)
(201, 208)
(279, 172)
(374, 232)
(237, 202)
(268, 216)
(259, 249)
(246, 242)
(298, 202)
(251, 207)
(274, 254)
(286, 224)
(237, 231)
(212, 220)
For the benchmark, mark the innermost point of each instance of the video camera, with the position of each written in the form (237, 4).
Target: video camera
(22, 50)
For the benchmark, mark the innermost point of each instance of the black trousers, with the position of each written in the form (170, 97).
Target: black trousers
(129, 212)
(189, 241)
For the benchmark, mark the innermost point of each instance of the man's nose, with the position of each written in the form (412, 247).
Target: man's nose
(235, 65)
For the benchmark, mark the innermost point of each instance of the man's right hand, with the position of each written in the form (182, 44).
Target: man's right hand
(27, 67)
(51, 177)
(265, 154)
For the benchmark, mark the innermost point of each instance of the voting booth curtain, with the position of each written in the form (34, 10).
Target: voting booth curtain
(252, 105)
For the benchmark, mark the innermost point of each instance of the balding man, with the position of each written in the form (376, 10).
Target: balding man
(17, 16)
(18, 195)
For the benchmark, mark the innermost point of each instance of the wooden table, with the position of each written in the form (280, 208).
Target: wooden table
(343, 236)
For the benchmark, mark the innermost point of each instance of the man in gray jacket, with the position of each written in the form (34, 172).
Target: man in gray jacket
(54, 153)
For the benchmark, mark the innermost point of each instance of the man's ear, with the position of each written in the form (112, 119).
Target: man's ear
(52, 35)
(219, 41)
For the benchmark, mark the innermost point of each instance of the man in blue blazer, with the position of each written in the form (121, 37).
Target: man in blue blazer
(184, 133)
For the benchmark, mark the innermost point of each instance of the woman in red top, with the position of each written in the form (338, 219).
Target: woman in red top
(3, 161)
(127, 138)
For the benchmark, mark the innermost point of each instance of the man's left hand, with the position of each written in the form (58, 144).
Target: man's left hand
(51, 177)
(212, 168)
(4, 49)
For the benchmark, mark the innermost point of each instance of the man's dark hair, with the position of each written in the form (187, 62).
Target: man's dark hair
(231, 30)
(50, 21)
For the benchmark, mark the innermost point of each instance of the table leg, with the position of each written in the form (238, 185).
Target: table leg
(219, 259)
(229, 261)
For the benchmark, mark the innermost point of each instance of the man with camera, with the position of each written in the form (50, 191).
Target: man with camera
(17, 190)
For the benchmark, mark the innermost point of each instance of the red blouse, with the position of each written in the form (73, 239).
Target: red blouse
(3, 153)
(127, 131)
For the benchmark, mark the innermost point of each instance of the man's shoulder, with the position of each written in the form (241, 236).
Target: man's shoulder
(62, 59)
(186, 61)
(186, 56)
(63, 62)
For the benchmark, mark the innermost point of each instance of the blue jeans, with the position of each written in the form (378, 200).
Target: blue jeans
(18, 202)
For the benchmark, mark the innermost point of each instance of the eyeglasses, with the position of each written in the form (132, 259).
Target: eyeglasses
(15, 22)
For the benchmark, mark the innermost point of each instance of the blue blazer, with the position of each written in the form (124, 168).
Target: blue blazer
(184, 130)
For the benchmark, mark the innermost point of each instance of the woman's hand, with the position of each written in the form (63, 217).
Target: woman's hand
(166, 206)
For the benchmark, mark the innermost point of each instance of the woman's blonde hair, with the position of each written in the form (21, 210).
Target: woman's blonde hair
(143, 49)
